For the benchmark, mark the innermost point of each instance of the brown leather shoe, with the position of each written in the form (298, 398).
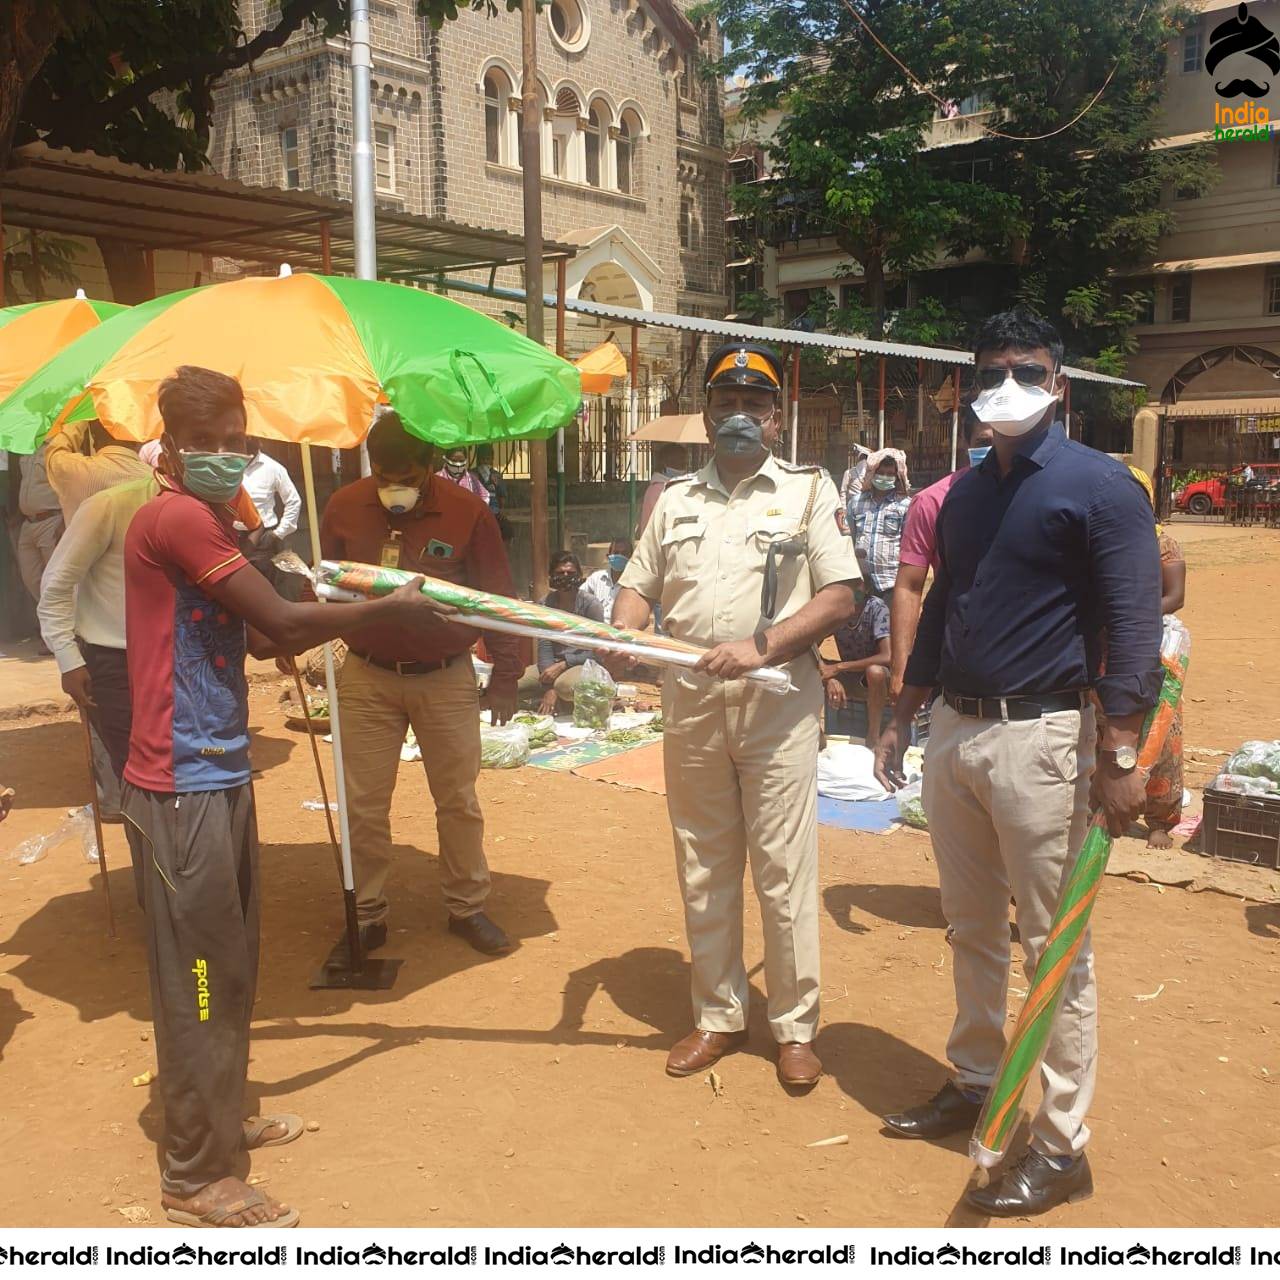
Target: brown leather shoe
(798, 1065)
(702, 1049)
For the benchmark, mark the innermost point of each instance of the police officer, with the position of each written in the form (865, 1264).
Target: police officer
(745, 558)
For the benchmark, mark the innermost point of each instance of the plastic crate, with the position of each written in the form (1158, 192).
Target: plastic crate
(1241, 828)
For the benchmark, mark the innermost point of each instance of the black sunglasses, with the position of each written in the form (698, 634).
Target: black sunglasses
(1025, 375)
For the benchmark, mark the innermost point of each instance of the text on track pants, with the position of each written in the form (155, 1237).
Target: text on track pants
(377, 707)
(200, 854)
(741, 771)
(1008, 806)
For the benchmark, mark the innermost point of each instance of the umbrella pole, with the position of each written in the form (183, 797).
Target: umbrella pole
(97, 824)
(634, 407)
(315, 755)
(357, 970)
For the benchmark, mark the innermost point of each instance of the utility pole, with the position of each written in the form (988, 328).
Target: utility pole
(363, 232)
(531, 139)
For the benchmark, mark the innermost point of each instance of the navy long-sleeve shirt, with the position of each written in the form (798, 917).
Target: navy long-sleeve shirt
(1034, 567)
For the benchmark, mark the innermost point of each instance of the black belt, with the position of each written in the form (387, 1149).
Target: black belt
(407, 668)
(1018, 707)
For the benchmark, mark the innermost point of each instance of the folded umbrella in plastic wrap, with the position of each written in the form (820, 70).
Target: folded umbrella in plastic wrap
(346, 580)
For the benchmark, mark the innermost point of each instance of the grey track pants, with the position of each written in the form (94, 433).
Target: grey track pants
(199, 851)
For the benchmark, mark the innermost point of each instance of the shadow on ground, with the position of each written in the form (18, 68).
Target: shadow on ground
(915, 906)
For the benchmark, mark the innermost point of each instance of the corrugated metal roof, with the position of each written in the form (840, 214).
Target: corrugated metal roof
(1235, 407)
(778, 337)
(1226, 262)
(84, 194)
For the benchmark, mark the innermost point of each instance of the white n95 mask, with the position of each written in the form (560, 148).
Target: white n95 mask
(1012, 409)
(398, 498)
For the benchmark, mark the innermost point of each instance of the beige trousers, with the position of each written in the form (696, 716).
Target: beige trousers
(741, 774)
(531, 688)
(33, 549)
(1008, 806)
(377, 709)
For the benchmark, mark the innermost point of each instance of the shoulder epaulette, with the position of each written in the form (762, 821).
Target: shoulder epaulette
(799, 468)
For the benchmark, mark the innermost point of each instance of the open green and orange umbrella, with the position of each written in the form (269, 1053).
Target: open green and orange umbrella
(33, 332)
(315, 354)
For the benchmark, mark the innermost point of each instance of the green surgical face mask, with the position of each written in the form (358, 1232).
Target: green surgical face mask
(215, 477)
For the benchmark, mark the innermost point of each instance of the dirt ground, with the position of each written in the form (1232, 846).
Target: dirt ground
(529, 1090)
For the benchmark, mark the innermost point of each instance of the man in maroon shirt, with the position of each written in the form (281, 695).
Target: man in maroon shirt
(405, 517)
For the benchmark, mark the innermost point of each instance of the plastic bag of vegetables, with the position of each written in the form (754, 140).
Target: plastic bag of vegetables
(505, 747)
(593, 697)
(910, 808)
(542, 729)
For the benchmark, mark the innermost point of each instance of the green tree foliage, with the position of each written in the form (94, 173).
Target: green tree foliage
(1090, 195)
(1071, 212)
(849, 155)
(134, 79)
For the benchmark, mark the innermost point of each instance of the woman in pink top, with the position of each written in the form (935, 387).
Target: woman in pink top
(457, 467)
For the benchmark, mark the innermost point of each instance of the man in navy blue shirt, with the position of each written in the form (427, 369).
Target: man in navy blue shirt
(1043, 547)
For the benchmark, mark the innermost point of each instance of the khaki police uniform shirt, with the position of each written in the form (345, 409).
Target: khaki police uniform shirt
(703, 553)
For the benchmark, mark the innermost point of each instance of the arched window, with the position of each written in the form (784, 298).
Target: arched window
(627, 152)
(497, 98)
(567, 150)
(597, 145)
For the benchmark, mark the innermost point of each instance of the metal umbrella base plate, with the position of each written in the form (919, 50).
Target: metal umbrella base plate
(336, 973)
(347, 967)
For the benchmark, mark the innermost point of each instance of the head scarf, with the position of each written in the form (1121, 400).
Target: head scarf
(1147, 487)
(873, 465)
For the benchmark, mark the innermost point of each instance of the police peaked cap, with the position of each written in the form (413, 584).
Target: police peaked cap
(745, 364)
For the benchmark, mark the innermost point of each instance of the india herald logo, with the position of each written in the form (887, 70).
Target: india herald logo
(1243, 36)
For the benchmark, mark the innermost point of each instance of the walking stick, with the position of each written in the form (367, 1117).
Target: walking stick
(315, 755)
(97, 822)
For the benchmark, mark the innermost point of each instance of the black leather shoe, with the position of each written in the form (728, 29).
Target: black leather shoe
(481, 933)
(947, 1112)
(1034, 1185)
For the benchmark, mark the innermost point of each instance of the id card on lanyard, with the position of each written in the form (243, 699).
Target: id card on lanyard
(392, 556)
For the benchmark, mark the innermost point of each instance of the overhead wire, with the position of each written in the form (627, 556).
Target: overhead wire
(995, 133)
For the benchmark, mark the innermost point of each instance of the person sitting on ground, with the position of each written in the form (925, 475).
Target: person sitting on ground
(559, 666)
(863, 668)
(876, 517)
(603, 584)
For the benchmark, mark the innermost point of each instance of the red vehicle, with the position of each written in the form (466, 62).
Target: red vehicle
(1205, 497)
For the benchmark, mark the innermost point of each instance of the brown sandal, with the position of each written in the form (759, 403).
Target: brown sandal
(256, 1126)
(220, 1215)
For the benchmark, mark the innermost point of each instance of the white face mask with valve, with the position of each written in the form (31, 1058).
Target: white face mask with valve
(1012, 409)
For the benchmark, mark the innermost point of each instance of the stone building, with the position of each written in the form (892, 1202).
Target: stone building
(632, 143)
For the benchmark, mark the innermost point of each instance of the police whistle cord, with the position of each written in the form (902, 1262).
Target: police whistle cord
(487, 611)
(1070, 924)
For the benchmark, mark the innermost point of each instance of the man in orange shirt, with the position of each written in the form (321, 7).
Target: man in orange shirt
(406, 517)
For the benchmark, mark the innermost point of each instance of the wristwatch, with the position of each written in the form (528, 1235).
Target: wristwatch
(1126, 758)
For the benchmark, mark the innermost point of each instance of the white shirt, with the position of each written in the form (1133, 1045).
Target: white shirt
(602, 586)
(265, 480)
(35, 493)
(82, 592)
(76, 476)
